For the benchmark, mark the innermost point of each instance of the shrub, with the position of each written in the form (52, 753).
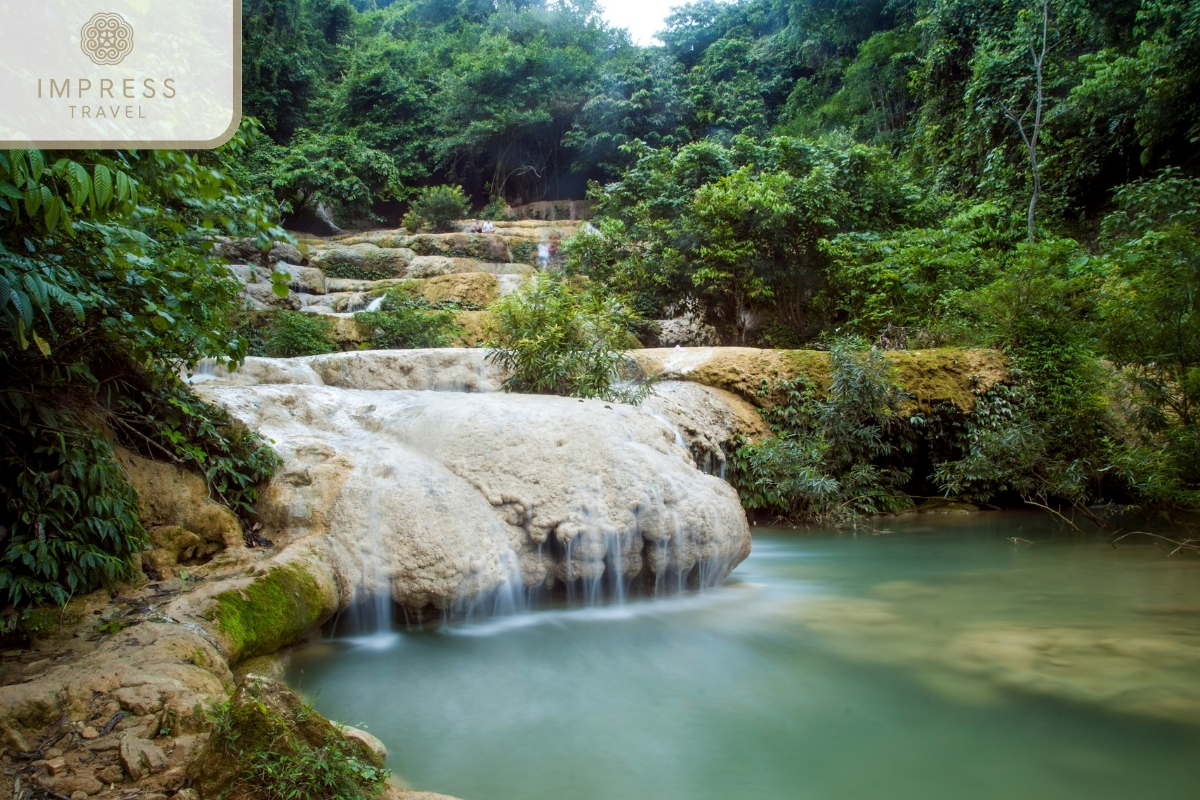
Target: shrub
(406, 320)
(72, 517)
(268, 743)
(553, 337)
(437, 207)
(295, 333)
(106, 297)
(832, 456)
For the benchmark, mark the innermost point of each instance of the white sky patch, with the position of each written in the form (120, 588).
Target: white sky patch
(643, 18)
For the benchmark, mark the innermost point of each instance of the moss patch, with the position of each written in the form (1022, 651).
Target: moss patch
(356, 272)
(469, 288)
(473, 326)
(272, 611)
(946, 375)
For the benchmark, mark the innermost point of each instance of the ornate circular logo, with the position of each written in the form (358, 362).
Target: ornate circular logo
(107, 39)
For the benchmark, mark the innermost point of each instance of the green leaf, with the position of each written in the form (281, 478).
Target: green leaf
(9, 190)
(54, 211)
(103, 185)
(33, 200)
(37, 165)
(79, 182)
(123, 186)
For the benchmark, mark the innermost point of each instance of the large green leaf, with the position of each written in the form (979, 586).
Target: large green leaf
(102, 183)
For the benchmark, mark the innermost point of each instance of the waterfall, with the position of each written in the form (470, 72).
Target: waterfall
(375, 304)
(453, 501)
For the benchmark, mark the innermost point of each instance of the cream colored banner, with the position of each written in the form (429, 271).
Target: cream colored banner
(119, 73)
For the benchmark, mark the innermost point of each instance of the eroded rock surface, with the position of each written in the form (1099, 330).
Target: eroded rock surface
(467, 497)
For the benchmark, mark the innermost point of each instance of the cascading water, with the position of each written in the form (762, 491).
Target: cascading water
(455, 502)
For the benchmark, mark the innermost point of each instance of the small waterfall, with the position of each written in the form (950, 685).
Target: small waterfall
(205, 370)
(375, 304)
(372, 612)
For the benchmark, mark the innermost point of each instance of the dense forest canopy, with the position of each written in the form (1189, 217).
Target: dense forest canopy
(525, 101)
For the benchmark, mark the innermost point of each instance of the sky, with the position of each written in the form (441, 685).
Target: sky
(643, 18)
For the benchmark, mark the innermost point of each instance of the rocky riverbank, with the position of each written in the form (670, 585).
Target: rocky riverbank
(404, 470)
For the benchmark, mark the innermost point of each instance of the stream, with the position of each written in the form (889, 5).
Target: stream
(928, 657)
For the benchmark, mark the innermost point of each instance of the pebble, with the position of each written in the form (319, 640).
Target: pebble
(90, 733)
(56, 765)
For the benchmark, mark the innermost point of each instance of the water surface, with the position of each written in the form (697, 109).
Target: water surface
(929, 657)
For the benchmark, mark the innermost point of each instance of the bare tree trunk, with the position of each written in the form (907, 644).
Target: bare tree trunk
(1036, 104)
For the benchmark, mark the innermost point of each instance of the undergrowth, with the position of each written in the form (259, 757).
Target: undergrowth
(272, 760)
(836, 454)
(556, 337)
(405, 320)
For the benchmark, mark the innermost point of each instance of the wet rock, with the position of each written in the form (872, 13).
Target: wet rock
(464, 491)
(361, 736)
(140, 757)
(305, 280)
(289, 253)
(708, 419)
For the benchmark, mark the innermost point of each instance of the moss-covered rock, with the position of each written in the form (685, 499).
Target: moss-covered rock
(272, 610)
(946, 375)
(473, 288)
(268, 744)
(473, 326)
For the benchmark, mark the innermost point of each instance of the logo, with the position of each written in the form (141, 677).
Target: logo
(106, 39)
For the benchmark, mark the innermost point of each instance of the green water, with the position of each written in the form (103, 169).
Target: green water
(929, 658)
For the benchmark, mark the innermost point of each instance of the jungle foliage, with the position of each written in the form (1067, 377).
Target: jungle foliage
(561, 336)
(106, 299)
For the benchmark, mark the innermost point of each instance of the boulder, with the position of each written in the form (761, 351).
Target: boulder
(261, 296)
(390, 260)
(261, 614)
(307, 280)
(362, 261)
(171, 495)
(365, 738)
(287, 253)
(140, 757)
(238, 251)
(245, 273)
(337, 255)
(685, 332)
(428, 266)
(457, 498)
